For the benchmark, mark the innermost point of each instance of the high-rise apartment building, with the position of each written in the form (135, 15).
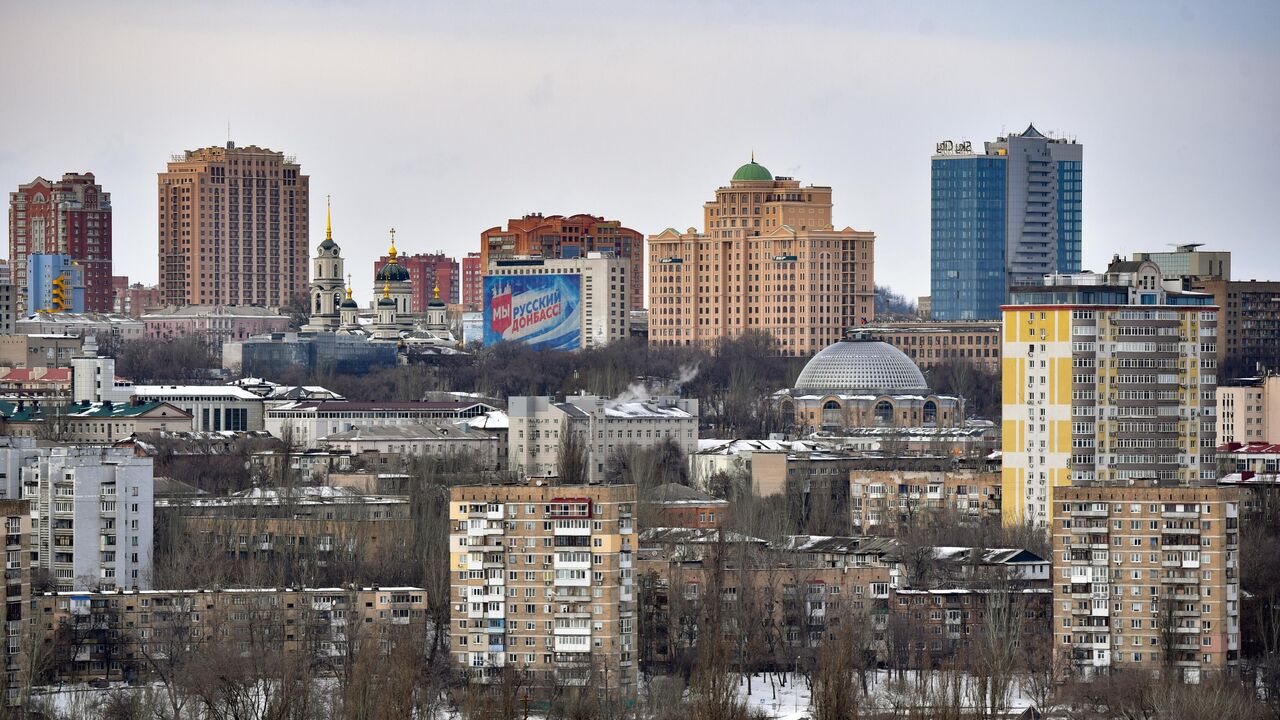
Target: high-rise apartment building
(769, 260)
(14, 652)
(1107, 377)
(543, 582)
(472, 282)
(426, 273)
(1001, 218)
(1147, 578)
(91, 512)
(71, 217)
(233, 227)
(1248, 322)
(567, 237)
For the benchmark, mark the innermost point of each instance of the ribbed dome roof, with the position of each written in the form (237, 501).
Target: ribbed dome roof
(392, 272)
(860, 364)
(753, 171)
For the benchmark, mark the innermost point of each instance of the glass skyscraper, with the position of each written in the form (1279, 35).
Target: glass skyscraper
(1001, 218)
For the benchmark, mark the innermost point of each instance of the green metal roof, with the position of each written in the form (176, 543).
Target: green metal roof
(753, 171)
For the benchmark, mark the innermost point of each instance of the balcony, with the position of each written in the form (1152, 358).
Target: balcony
(1089, 513)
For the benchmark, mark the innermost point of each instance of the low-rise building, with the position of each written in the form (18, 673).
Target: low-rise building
(119, 328)
(305, 422)
(278, 353)
(130, 635)
(35, 382)
(89, 422)
(430, 438)
(300, 525)
(929, 344)
(212, 407)
(1249, 411)
(43, 350)
(859, 382)
(539, 426)
(680, 506)
(215, 324)
(1147, 577)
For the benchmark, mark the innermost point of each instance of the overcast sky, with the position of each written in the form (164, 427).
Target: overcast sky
(443, 121)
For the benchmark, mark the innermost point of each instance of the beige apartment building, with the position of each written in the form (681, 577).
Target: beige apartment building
(543, 582)
(768, 259)
(17, 583)
(121, 635)
(929, 344)
(233, 227)
(1249, 413)
(1148, 578)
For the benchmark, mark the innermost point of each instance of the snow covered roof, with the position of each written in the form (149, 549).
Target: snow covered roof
(493, 420)
(218, 391)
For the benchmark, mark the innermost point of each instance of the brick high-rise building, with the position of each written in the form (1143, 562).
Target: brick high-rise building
(426, 271)
(472, 282)
(72, 217)
(768, 259)
(543, 581)
(1147, 577)
(567, 237)
(233, 227)
(1107, 377)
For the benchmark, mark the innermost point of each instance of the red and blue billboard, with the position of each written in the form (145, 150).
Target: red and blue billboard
(541, 311)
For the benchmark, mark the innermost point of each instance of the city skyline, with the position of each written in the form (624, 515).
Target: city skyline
(446, 110)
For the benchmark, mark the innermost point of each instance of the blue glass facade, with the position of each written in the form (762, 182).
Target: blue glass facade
(967, 237)
(1069, 177)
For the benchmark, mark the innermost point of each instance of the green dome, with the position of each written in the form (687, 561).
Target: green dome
(349, 303)
(753, 171)
(392, 272)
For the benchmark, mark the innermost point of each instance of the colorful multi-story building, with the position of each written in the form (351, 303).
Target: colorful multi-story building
(561, 237)
(543, 582)
(1147, 577)
(1107, 377)
(55, 283)
(233, 228)
(71, 217)
(768, 260)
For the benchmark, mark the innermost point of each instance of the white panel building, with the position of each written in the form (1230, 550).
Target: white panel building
(91, 513)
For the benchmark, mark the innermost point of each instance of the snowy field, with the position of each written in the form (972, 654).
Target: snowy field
(781, 696)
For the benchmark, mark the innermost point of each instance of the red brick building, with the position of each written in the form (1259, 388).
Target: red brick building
(472, 282)
(71, 216)
(561, 237)
(681, 506)
(134, 300)
(425, 271)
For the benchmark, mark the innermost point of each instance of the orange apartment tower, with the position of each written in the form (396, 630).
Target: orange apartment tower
(555, 237)
(233, 227)
(768, 259)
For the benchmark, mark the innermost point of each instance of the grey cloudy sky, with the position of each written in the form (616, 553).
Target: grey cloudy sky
(443, 120)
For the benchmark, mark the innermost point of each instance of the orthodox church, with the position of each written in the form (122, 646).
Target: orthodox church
(393, 320)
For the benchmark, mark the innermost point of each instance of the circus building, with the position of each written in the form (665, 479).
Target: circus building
(863, 383)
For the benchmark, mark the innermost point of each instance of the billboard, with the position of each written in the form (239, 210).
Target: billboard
(541, 311)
